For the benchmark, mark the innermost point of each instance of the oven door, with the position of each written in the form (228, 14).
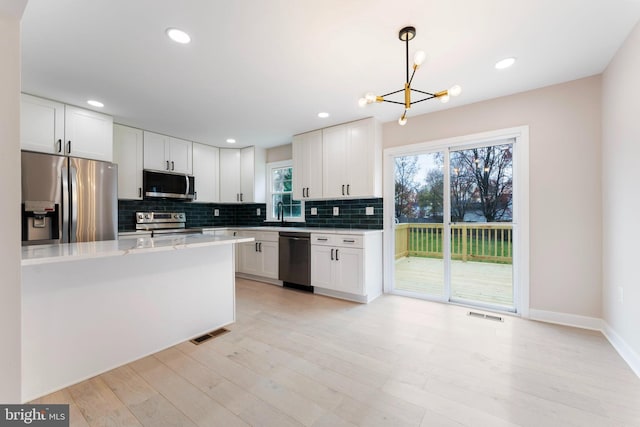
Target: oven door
(168, 185)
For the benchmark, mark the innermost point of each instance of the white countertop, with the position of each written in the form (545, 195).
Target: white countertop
(358, 231)
(45, 254)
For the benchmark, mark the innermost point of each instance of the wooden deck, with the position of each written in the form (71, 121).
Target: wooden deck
(484, 282)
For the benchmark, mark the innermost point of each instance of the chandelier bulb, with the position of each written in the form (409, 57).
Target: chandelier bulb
(419, 57)
(444, 98)
(362, 102)
(370, 97)
(403, 120)
(455, 90)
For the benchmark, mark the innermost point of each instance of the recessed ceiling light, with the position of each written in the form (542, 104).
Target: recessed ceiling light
(95, 103)
(323, 115)
(178, 36)
(505, 63)
(231, 141)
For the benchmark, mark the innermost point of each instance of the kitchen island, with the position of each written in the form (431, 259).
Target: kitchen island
(90, 307)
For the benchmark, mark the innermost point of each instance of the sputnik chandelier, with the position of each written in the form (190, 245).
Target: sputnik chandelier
(406, 34)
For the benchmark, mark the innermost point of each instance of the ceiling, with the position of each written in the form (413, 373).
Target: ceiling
(259, 71)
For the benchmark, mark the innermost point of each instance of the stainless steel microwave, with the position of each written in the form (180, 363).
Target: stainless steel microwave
(168, 185)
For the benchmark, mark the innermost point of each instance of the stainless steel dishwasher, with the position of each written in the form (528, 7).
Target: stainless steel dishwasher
(295, 260)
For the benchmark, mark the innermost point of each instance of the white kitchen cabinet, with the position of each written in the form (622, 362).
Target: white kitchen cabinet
(127, 153)
(242, 175)
(347, 266)
(51, 127)
(352, 160)
(167, 154)
(205, 171)
(307, 165)
(259, 258)
(229, 175)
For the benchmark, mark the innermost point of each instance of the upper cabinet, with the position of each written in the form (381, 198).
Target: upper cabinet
(51, 127)
(307, 165)
(242, 175)
(352, 160)
(205, 172)
(343, 161)
(168, 154)
(127, 153)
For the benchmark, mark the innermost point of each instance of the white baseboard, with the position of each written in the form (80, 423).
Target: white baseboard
(624, 350)
(574, 320)
(627, 353)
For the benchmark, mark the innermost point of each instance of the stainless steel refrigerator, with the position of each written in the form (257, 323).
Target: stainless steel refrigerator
(68, 199)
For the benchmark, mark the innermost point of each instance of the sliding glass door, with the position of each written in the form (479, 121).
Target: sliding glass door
(453, 227)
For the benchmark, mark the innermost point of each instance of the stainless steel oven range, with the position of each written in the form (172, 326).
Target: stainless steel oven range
(163, 223)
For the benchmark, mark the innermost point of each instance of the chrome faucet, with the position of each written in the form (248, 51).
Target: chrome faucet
(280, 209)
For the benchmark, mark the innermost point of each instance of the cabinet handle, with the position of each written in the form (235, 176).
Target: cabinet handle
(241, 197)
(59, 146)
(348, 241)
(139, 191)
(307, 191)
(337, 259)
(343, 189)
(69, 147)
(167, 164)
(195, 195)
(348, 189)
(256, 245)
(172, 165)
(260, 247)
(321, 239)
(332, 254)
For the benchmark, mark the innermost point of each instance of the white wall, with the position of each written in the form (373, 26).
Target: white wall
(10, 320)
(565, 186)
(621, 195)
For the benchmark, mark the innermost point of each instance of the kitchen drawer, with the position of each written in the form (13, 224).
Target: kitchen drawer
(267, 236)
(338, 240)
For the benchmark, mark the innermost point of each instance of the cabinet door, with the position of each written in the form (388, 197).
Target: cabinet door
(229, 175)
(307, 165)
(349, 270)
(250, 260)
(360, 158)
(88, 134)
(154, 152)
(180, 155)
(322, 266)
(247, 163)
(41, 125)
(127, 153)
(269, 254)
(334, 161)
(205, 172)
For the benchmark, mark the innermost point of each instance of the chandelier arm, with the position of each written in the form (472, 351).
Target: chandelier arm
(432, 95)
(407, 58)
(412, 74)
(420, 100)
(393, 102)
(393, 93)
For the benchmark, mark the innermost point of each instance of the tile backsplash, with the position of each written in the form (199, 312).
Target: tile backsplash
(352, 213)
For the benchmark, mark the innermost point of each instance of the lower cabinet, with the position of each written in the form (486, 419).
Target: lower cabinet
(347, 266)
(259, 258)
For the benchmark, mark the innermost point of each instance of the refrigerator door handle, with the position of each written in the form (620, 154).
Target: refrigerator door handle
(74, 204)
(65, 205)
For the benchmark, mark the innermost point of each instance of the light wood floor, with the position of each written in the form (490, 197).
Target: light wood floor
(302, 359)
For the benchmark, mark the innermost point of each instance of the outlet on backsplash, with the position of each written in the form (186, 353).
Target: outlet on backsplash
(258, 211)
(216, 212)
(336, 211)
(314, 211)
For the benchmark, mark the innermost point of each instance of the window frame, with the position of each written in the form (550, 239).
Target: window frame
(270, 167)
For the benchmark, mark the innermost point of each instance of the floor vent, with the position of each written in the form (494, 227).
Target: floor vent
(210, 335)
(485, 316)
